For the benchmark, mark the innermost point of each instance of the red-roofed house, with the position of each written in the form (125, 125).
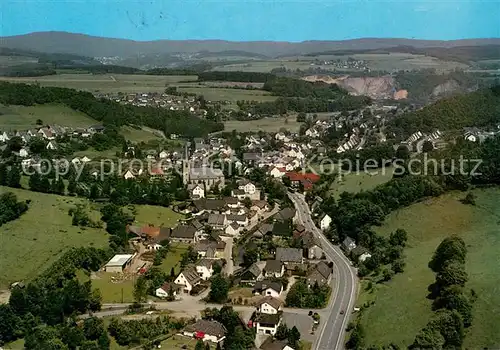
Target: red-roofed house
(307, 179)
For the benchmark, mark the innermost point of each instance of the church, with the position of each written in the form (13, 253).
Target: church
(203, 175)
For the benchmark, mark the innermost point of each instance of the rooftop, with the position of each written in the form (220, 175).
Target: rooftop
(120, 259)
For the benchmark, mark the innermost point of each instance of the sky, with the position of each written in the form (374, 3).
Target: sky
(247, 20)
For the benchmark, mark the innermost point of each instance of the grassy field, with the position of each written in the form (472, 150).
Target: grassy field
(360, 182)
(95, 154)
(180, 342)
(174, 257)
(225, 94)
(107, 82)
(8, 61)
(25, 117)
(117, 289)
(156, 215)
(113, 291)
(265, 124)
(138, 135)
(401, 308)
(35, 240)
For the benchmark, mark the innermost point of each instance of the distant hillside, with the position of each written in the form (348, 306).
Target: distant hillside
(486, 50)
(85, 45)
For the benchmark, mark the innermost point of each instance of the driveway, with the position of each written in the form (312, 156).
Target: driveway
(228, 255)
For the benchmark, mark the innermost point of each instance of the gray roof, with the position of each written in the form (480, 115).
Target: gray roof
(273, 266)
(253, 269)
(205, 173)
(231, 217)
(208, 327)
(276, 303)
(208, 204)
(265, 284)
(265, 228)
(191, 275)
(216, 219)
(183, 231)
(289, 254)
(348, 241)
(286, 214)
(273, 319)
(323, 269)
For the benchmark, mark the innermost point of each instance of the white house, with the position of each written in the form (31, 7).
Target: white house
(196, 191)
(51, 146)
(128, 175)
(325, 222)
(269, 305)
(312, 132)
(247, 186)
(205, 330)
(188, 278)
(233, 229)
(205, 268)
(167, 288)
(364, 256)
(277, 172)
(4, 137)
(23, 153)
(163, 154)
(268, 288)
(268, 316)
(274, 269)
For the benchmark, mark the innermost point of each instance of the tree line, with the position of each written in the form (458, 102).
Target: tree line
(452, 304)
(109, 112)
(53, 297)
(10, 207)
(244, 77)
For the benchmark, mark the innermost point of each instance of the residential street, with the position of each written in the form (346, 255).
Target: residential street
(332, 329)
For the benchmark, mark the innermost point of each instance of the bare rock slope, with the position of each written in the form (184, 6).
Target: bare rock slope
(375, 87)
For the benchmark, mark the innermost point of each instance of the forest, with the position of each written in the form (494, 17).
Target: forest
(479, 109)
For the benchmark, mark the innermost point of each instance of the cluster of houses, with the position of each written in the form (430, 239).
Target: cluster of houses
(159, 100)
(48, 134)
(477, 135)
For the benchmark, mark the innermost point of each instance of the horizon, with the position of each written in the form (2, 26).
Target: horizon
(253, 20)
(248, 41)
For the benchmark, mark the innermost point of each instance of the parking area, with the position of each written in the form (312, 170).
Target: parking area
(303, 323)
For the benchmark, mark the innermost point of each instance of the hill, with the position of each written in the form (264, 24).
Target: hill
(85, 45)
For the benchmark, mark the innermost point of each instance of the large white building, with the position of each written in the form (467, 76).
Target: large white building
(119, 262)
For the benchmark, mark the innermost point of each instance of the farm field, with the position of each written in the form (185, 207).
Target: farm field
(401, 308)
(385, 62)
(265, 124)
(108, 83)
(36, 239)
(25, 117)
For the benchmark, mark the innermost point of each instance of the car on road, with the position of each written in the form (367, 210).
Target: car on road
(342, 312)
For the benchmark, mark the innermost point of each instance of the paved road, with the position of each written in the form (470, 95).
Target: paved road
(332, 333)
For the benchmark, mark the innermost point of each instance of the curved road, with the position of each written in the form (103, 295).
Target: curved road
(332, 334)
